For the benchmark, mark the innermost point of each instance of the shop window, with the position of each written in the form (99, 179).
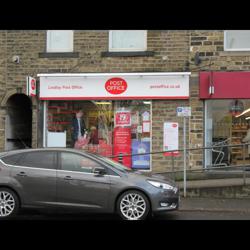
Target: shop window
(237, 40)
(227, 122)
(60, 40)
(111, 128)
(78, 163)
(127, 40)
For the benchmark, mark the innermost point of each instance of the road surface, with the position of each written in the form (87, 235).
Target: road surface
(173, 215)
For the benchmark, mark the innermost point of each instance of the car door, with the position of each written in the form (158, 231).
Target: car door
(34, 176)
(78, 186)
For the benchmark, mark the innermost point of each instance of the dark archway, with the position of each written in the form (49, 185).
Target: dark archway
(18, 124)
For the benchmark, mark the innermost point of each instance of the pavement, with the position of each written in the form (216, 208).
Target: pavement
(214, 182)
(215, 205)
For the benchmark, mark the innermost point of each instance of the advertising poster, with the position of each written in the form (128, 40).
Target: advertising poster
(145, 116)
(146, 127)
(140, 161)
(122, 118)
(171, 138)
(135, 117)
(122, 144)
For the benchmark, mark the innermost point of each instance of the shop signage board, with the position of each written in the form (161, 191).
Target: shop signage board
(171, 138)
(224, 85)
(122, 144)
(140, 161)
(122, 118)
(31, 86)
(101, 87)
(184, 111)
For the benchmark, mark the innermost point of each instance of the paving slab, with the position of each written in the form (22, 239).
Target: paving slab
(215, 183)
(209, 204)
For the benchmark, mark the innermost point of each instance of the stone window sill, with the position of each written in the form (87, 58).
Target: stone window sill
(59, 55)
(127, 53)
(234, 53)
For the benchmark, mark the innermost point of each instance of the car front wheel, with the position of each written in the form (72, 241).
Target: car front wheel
(9, 203)
(133, 205)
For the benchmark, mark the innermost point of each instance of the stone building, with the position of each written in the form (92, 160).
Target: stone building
(41, 54)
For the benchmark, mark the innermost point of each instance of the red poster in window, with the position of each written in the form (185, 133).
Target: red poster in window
(122, 118)
(122, 144)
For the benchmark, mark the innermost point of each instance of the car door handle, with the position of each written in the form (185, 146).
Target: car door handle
(22, 174)
(68, 178)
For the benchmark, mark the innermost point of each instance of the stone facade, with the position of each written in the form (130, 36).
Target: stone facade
(173, 50)
(210, 45)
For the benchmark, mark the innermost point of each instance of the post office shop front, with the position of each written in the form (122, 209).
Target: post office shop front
(116, 108)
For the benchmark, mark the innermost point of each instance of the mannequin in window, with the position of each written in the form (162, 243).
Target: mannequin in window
(78, 127)
(93, 136)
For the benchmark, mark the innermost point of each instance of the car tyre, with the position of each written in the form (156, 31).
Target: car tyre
(133, 205)
(9, 203)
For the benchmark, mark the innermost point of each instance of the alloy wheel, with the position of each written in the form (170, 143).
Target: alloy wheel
(7, 203)
(133, 206)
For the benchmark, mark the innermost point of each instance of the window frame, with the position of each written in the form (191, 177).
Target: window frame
(127, 49)
(232, 49)
(48, 38)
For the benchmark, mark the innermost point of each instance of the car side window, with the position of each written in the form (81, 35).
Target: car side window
(111, 172)
(46, 160)
(12, 159)
(78, 163)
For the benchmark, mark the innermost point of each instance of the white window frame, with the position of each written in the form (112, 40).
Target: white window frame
(233, 49)
(49, 50)
(111, 49)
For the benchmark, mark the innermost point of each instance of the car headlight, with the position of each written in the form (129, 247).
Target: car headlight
(162, 185)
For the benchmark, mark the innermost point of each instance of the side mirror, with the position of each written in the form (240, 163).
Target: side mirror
(99, 171)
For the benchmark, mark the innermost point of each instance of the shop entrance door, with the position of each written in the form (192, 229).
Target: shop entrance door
(18, 123)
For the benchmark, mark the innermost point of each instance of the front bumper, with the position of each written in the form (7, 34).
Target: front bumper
(165, 201)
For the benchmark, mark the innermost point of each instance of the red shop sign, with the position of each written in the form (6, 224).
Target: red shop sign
(224, 85)
(31, 86)
(116, 85)
(123, 118)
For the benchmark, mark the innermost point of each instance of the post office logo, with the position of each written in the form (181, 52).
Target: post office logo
(116, 85)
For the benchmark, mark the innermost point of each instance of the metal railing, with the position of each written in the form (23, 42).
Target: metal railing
(240, 168)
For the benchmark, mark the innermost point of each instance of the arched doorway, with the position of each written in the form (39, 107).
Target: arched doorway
(18, 123)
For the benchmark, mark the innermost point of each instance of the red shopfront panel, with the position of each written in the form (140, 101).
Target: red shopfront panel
(227, 85)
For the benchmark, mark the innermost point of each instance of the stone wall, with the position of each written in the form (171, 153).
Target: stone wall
(173, 50)
(165, 111)
(210, 45)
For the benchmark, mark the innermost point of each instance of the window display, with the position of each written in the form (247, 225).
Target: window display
(227, 122)
(103, 127)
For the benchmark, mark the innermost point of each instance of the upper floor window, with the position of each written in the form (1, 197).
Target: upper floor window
(127, 40)
(237, 40)
(60, 40)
